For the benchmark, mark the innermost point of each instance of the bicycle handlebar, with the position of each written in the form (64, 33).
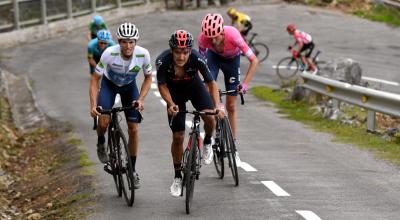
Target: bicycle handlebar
(194, 112)
(115, 110)
(221, 93)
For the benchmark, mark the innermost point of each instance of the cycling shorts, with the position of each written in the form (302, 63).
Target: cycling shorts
(128, 93)
(229, 66)
(198, 95)
(307, 49)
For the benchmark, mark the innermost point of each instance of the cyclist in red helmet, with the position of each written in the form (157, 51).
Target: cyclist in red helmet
(178, 82)
(222, 45)
(305, 45)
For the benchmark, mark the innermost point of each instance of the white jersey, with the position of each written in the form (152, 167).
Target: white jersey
(122, 72)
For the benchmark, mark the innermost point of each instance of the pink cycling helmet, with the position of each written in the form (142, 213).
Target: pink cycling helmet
(291, 28)
(212, 25)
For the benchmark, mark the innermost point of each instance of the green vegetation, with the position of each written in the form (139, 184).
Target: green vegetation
(357, 135)
(381, 13)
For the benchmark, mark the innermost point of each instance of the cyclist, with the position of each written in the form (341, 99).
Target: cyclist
(97, 46)
(305, 45)
(95, 25)
(179, 82)
(118, 67)
(241, 21)
(222, 45)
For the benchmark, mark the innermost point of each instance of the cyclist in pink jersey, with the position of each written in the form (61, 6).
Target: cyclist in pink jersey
(305, 45)
(222, 45)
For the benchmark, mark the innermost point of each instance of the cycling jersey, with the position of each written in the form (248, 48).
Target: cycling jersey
(301, 36)
(233, 44)
(188, 87)
(93, 28)
(122, 72)
(195, 64)
(95, 51)
(241, 19)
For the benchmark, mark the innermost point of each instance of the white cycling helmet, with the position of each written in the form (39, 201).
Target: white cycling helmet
(128, 31)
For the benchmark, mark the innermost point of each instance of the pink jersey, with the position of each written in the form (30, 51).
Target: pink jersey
(233, 44)
(301, 36)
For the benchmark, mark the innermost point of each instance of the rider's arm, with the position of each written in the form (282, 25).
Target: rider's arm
(213, 89)
(93, 92)
(90, 52)
(165, 94)
(299, 46)
(147, 77)
(208, 79)
(251, 70)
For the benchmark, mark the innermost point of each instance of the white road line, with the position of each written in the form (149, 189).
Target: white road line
(157, 93)
(308, 215)
(188, 123)
(202, 135)
(283, 67)
(154, 86)
(277, 190)
(380, 80)
(117, 99)
(163, 102)
(247, 167)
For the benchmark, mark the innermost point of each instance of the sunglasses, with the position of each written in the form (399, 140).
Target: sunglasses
(102, 42)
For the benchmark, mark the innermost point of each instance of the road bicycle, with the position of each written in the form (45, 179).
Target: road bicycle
(119, 163)
(191, 159)
(261, 50)
(224, 145)
(289, 66)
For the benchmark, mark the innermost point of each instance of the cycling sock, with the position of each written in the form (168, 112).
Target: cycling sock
(101, 139)
(133, 159)
(207, 139)
(177, 168)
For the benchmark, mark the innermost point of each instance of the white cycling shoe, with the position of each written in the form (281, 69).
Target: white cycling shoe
(207, 153)
(176, 187)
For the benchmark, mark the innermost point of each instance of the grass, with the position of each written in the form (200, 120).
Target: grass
(356, 135)
(381, 13)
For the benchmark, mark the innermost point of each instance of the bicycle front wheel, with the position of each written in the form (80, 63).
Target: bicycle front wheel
(218, 149)
(126, 171)
(261, 50)
(287, 68)
(113, 164)
(190, 171)
(231, 150)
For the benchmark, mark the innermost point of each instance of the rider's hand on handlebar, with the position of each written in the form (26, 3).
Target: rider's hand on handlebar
(295, 54)
(173, 110)
(94, 112)
(138, 105)
(243, 88)
(220, 110)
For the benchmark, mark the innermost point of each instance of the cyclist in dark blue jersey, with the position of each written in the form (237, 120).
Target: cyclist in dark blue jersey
(179, 81)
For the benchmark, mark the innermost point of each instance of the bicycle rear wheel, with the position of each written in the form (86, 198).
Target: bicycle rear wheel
(287, 68)
(231, 150)
(113, 166)
(218, 149)
(261, 50)
(190, 172)
(126, 170)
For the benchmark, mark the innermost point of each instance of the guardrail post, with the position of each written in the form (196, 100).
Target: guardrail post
(43, 10)
(119, 5)
(336, 103)
(371, 121)
(16, 14)
(93, 5)
(69, 8)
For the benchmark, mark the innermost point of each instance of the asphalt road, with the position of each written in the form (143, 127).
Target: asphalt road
(308, 176)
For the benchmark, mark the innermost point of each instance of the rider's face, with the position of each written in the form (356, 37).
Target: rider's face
(218, 40)
(127, 47)
(181, 56)
(102, 44)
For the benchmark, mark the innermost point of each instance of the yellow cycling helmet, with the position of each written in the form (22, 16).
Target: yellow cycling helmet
(231, 11)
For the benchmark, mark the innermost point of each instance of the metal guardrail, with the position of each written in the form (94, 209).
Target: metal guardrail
(371, 99)
(13, 19)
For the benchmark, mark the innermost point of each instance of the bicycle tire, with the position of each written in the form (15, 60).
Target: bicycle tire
(218, 149)
(231, 151)
(287, 68)
(261, 50)
(113, 161)
(126, 167)
(190, 172)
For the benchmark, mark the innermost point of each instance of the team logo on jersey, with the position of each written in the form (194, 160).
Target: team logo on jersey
(114, 54)
(135, 69)
(139, 55)
(101, 65)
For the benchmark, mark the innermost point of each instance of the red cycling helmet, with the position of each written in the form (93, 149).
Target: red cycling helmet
(291, 28)
(212, 25)
(181, 39)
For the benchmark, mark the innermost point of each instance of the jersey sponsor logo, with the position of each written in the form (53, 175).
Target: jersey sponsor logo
(135, 69)
(139, 55)
(158, 64)
(232, 79)
(114, 54)
(101, 65)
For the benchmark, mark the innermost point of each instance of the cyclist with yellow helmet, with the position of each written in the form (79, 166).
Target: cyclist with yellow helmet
(240, 20)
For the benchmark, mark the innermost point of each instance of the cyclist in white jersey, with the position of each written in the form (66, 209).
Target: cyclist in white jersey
(118, 67)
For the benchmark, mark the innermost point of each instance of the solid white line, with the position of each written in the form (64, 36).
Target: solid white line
(308, 215)
(202, 135)
(188, 123)
(277, 190)
(153, 86)
(283, 67)
(117, 99)
(163, 102)
(247, 167)
(157, 93)
(380, 80)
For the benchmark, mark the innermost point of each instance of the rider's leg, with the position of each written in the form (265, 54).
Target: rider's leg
(133, 143)
(231, 109)
(177, 151)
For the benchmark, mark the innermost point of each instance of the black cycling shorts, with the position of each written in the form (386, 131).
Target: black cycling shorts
(307, 49)
(198, 96)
